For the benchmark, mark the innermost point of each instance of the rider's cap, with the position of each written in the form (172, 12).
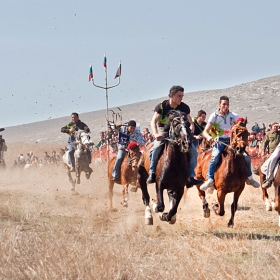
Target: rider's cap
(131, 123)
(132, 145)
(240, 120)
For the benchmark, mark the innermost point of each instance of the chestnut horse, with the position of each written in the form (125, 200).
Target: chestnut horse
(276, 183)
(231, 172)
(171, 172)
(128, 174)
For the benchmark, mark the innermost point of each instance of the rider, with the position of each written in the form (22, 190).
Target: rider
(199, 125)
(272, 142)
(70, 128)
(218, 127)
(126, 135)
(176, 94)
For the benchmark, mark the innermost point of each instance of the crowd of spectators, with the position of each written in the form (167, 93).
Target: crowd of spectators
(32, 160)
(112, 137)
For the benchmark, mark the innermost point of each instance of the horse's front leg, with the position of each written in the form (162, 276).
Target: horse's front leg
(205, 205)
(78, 170)
(221, 204)
(125, 195)
(234, 206)
(73, 182)
(142, 177)
(268, 206)
(174, 200)
(159, 205)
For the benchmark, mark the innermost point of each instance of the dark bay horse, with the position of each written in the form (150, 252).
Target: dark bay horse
(171, 172)
(231, 172)
(128, 174)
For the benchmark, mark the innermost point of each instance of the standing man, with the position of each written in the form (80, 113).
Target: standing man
(218, 127)
(126, 135)
(176, 94)
(70, 129)
(199, 125)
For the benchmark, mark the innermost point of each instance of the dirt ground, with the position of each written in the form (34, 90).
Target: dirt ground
(47, 189)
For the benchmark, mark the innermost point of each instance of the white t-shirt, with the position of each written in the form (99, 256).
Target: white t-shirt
(221, 125)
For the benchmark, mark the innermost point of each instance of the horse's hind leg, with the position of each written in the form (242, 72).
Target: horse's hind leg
(234, 206)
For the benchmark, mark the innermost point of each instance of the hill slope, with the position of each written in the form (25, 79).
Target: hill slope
(258, 100)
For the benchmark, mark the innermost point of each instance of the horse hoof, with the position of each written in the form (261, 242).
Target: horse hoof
(73, 189)
(207, 213)
(154, 206)
(268, 208)
(149, 221)
(125, 204)
(173, 220)
(215, 207)
(78, 181)
(87, 175)
(133, 189)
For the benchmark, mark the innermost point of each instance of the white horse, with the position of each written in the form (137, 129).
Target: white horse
(82, 156)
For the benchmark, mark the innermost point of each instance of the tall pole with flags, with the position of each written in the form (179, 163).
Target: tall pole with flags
(117, 76)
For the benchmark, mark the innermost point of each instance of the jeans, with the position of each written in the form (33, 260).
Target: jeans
(71, 159)
(155, 153)
(117, 167)
(216, 155)
(192, 153)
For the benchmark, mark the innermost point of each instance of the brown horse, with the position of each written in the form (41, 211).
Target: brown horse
(276, 183)
(231, 172)
(128, 174)
(171, 172)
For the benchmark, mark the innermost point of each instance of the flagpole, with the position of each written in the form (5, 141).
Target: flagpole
(118, 74)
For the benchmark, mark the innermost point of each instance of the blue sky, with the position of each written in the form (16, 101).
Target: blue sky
(46, 48)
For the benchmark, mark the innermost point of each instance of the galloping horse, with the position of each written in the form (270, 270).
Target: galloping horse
(276, 183)
(231, 172)
(82, 145)
(128, 173)
(171, 172)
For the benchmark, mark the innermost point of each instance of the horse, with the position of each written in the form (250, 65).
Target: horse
(128, 174)
(82, 145)
(171, 172)
(276, 182)
(231, 173)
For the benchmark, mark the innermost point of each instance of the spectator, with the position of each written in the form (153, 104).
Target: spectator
(256, 128)
(199, 125)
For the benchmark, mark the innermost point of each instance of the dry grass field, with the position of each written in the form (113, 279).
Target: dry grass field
(47, 232)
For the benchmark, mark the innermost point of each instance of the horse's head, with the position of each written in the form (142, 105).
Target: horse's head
(179, 130)
(239, 136)
(84, 139)
(134, 155)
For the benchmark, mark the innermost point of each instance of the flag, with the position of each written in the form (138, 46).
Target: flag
(90, 75)
(105, 61)
(119, 71)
